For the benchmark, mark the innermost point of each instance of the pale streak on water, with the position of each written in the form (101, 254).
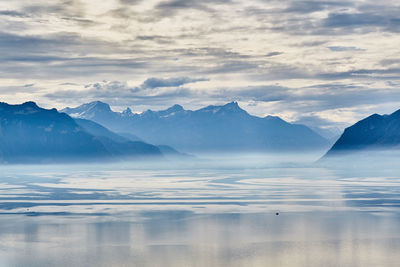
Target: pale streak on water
(192, 214)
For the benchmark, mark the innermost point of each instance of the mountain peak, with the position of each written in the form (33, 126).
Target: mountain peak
(232, 107)
(175, 108)
(232, 104)
(100, 105)
(30, 104)
(127, 111)
(25, 108)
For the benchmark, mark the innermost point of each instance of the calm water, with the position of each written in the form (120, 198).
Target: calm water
(212, 213)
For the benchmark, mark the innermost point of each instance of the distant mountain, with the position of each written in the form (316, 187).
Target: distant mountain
(100, 112)
(213, 128)
(98, 130)
(376, 132)
(130, 136)
(330, 134)
(117, 144)
(29, 133)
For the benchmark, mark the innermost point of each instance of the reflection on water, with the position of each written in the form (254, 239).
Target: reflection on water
(198, 215)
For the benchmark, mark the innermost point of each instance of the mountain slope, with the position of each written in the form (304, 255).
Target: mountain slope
(376, 132)
(116, 144)
(213, 128)
(29, 133)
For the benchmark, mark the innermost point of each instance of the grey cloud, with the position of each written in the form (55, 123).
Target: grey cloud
(272, 54)
(121, 94)
(368, 21)
(62, 48)
(19, 44)
(63, 8)
(232, 66)
(152, 83)
(378, 74)
(390, 61)
(82, 22)
(261, 93)
(344, 48)
(130, 2)
(353, 19)
(311, 43)
(171, 7)
(345, 17)
(314, 6)
(312, 99)
(13, 13)
(156, 38)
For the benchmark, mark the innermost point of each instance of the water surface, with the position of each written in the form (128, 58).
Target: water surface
(212, 213)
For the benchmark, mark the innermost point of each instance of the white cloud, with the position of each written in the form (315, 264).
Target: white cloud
(272, 55)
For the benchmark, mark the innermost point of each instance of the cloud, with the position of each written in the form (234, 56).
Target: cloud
(290, 57)
(344, 48)
(171, 7)
(152, 83)
(130, 2)
(364, 22)
(13, 13)
(161, 89)
(306, 7)
(272, 54)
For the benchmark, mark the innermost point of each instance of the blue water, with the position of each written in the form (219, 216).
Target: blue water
(208, 214)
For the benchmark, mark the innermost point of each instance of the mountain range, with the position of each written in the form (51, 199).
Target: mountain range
(374, 133)
(29, 133)
(221, 128)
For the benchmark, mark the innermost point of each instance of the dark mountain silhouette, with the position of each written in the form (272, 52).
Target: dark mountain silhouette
(376, 132)
(29, 133)
(213, 128)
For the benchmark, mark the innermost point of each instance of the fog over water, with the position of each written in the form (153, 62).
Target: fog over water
(227, 210)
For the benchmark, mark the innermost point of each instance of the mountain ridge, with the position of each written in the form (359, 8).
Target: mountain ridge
(212, 128)
(29, 133)
(375, 132)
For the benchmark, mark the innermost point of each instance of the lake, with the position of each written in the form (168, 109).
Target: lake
(241, 211)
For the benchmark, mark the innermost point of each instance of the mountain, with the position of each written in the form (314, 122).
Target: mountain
(376, 132)
(116, 144)
(29, 133)
(100, 131)
(330, 134)
(122, 145)
(210, 129)
(100, 112)
(130, 136)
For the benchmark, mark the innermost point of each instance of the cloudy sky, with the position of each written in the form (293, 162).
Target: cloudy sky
(325, 63)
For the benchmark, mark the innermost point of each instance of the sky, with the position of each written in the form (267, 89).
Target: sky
(322, 63)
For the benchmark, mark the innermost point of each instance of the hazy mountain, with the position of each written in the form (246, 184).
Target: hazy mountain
(330, 134)
(125, 141)
(29, 133)
(213, 128)
(130, 136)
(376, 132)
(98, 130)
(100, 112)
